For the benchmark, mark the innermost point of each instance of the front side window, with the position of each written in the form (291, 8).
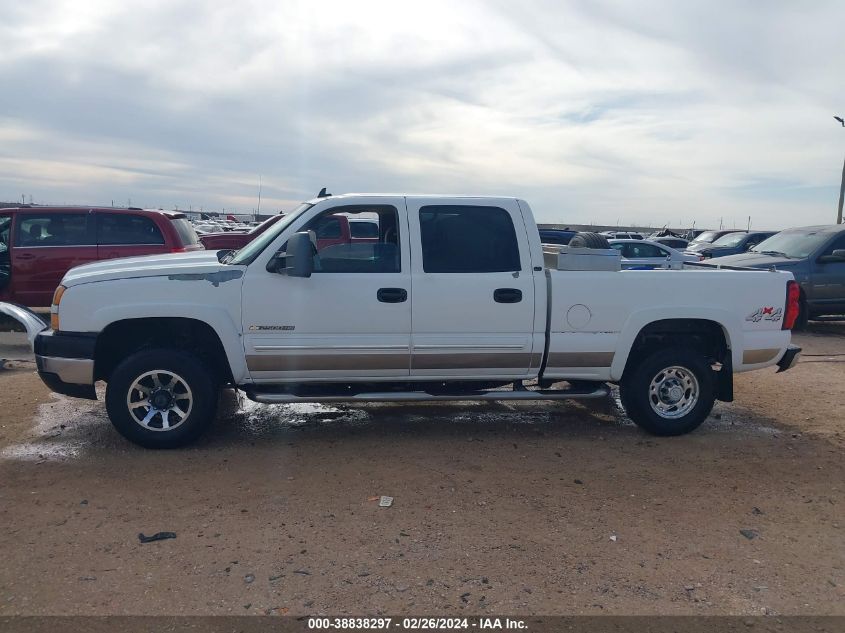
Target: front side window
(121, 228)
(336, 252)
(53, 229)
(5, 256)
(836, 245)
(468, 239)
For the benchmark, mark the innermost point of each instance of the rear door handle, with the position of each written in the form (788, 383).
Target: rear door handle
(26, 256)
(507, 295)
(392, 295)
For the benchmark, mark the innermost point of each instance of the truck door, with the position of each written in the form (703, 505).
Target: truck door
(45, 246)
(828, 279)
(473, 302)
(351, 319)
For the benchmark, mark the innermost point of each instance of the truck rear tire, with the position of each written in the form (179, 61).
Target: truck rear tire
(161, 398)
(586, 239)
(669, 392)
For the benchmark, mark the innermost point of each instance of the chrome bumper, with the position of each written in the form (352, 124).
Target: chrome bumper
(74, 371)
(789, 358)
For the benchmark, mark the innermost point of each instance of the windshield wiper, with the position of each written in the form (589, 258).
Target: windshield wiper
(775, 254)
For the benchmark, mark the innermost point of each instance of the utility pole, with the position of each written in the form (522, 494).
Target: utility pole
(842, 186)
(254, 216)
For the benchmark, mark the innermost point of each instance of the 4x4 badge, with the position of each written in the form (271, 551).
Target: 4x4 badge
(768, 313)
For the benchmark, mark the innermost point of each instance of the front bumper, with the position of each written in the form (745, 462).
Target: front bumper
(65, 362)
(789, 358)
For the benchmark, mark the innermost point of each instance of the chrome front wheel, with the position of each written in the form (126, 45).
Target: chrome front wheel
(160, 400)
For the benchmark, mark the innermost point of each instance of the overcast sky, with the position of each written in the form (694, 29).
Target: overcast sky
(630, 111)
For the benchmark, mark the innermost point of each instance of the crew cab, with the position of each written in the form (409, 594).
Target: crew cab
(455, 300)
(39, 244)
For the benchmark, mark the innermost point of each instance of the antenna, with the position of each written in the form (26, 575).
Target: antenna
(323, 193)
(749, 223)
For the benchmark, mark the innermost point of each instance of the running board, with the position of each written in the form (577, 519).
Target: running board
(421, 396)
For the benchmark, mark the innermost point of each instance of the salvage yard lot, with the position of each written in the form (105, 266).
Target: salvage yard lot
(528, 508)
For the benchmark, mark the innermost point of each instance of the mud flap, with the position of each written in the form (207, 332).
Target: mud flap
(725, 380)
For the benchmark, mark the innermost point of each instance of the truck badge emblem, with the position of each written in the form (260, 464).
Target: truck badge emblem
(766, 313)
(265, 328)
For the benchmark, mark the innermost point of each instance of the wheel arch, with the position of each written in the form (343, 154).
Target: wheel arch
(124, 337)
(710, 335)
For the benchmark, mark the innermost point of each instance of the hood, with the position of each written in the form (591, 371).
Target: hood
(758, 260)
(195, 262)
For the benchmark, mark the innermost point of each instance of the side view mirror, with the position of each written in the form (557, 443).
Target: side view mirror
(837, 256)
(297, 260)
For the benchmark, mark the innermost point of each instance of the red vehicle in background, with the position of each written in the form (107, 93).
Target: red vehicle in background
(234, 239)
(38, 245)
(334, 229)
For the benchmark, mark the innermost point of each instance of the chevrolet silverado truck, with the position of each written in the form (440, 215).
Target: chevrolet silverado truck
(455, 300)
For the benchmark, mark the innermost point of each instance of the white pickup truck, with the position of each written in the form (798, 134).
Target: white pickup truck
(452, 300)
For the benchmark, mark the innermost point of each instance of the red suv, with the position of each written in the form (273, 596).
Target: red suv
(38, 245)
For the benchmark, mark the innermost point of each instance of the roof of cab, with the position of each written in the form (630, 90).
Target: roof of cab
(26, 208)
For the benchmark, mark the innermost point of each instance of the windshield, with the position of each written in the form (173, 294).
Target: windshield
(706, 237)
(263, 226)
(731, 239)
(792, 244)
(248, 253)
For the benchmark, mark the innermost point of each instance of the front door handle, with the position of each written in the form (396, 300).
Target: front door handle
(392, 295)
(507, 295)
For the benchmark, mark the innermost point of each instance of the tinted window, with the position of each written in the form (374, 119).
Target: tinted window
(837, 244)
(119, 228)
(5, 228)
(364, 229)
(639, 251)
(335, 254)
(53, 229)
(185, 230)
(465, 239)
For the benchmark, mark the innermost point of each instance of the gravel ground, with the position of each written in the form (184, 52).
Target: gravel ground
(499, 508)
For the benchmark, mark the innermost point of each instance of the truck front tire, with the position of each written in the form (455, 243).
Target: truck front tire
(669, 392)
(161, 398)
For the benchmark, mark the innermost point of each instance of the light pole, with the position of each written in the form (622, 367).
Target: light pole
(842, 186)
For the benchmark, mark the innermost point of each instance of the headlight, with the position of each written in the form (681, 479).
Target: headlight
(54, 309)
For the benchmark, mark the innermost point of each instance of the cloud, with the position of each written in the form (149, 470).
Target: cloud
(654, 112)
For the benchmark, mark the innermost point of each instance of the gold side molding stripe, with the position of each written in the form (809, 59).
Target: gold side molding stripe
(471, 361)
(753, 356)
(325, 362)
(580, 359)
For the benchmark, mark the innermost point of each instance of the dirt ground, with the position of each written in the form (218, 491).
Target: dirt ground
(499, 508)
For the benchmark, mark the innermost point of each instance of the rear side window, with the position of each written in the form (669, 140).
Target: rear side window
(121, 228)
(185, 230)
(638, 251)
(53, 229)
(468, 239)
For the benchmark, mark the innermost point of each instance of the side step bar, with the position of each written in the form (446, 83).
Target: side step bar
(421, 396)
